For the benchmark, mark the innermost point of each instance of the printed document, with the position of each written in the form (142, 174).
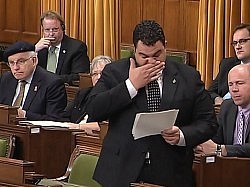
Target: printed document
(46, 123)
(147, 124)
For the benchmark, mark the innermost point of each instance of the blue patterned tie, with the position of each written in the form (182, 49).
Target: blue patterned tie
(154, 98)
(241, 132)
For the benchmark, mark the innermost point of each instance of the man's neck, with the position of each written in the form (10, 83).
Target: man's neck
(245, 61)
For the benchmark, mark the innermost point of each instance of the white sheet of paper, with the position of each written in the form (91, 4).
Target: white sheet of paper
(153, 123)
(47, 123)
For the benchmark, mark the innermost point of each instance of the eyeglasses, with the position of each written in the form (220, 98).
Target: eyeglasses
(240, 41)
(51, 30)
(19, 62)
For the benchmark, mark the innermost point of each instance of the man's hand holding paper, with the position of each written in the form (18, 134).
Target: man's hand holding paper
(171, 135)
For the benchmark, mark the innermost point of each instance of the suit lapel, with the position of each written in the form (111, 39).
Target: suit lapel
(62, 54)
(170, 83)
(141, 100)
(231, 123)
(34, 87)
(43, 57)
(247, 131)
(11, 91)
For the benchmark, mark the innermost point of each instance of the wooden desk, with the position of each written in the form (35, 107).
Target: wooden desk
(71, 92)
(7, 114)
(83, 139)
(13, 171)
(85, 80)
(213, 171)
(49, 148)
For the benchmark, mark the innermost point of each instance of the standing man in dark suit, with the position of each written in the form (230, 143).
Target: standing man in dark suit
(241, 43)
(232, 139)
(59, 53)
(122, 92)
(39, 94)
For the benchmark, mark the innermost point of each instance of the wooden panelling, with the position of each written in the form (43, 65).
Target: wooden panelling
(190, 24)
(179, 19)
(131, 14)
(171, 25)
(19, 20)
(149, 9)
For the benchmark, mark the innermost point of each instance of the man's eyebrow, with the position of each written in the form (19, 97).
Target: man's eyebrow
(141, 53)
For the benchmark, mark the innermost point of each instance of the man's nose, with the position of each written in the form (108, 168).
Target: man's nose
(238, 46)
(234, 87)
(151, 59)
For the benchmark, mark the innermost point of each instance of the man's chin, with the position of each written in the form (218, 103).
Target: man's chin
(18, 76)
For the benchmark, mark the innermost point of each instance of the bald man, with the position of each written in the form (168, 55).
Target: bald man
(232, 138)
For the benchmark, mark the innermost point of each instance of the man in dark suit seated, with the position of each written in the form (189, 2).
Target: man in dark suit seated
(241, 43)
(39, 94)
(233, 136)
(146, 83)
(59, 53)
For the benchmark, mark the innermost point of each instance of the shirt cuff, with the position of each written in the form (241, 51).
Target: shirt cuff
(131, 89)
(182, 139)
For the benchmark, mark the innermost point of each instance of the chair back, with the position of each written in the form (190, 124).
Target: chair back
(126, 51)
(178, 56)
(83, 169)
(7, 145)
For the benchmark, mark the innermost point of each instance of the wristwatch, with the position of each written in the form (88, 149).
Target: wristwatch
(218, 150)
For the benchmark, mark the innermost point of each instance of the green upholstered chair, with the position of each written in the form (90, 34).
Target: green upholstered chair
(127, 50)
(80, 169)
(83, 169)
(7, 144)
(178, 56)
(126, 53)
(3, 147)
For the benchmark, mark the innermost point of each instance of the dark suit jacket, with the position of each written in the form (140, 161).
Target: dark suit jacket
(77, 109)
(219, 86)
(225, 135)
(73, 59)
(122, 157)
(46, 98)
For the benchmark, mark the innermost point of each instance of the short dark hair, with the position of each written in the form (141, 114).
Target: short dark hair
(242, 26)
(50, 14)
(149, 32)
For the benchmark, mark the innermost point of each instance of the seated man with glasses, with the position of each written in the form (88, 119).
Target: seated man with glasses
(37, 93)
(59, 53)
(241, 42)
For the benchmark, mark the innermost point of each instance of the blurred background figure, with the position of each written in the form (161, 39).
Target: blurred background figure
(77, 110)
(241, 43)
(59, 53)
